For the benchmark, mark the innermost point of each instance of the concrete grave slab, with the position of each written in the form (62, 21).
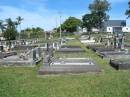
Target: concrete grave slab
(70, 65)
(120, 64)
(28, 59)
(71, 49)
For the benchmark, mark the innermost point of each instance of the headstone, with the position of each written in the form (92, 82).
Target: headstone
(39, 52)
(34, 55)
(1, 48)
(108, 43)
(1, 55)
(47, 47)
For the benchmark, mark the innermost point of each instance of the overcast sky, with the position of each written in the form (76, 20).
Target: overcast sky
(45, 13)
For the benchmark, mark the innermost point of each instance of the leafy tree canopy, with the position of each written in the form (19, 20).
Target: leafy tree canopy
(10, 31)
(32, 33)
(71, 24)
(90, 21)
(100, 8)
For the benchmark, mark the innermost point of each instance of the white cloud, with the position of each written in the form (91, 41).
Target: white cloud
(42, 17)
(47, 20)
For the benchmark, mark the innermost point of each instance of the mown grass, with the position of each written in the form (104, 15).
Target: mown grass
(25, 82)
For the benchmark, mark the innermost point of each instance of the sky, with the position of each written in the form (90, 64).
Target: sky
(46, 13)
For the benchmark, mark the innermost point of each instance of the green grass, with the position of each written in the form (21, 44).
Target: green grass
(25, 82)
(73, 43)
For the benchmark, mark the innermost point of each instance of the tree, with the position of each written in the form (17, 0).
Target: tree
(2, 26)
(23, 34)
(32, 33)
(100, 8)
(19, 19)
(11, 32)
(90, 21)
(37, 33)
(128, 11)
(71, 24)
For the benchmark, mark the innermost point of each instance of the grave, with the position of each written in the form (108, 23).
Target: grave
(102, 49)
(6, 53)
(116, 43)
(114, 55)
(87, 40)
(117, 51)
(120, 64)
(23, 47)
(53, 65)
(70, 65)
(69, 49)
(27, 59)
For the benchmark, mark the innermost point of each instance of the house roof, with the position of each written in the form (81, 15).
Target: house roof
(121, 23)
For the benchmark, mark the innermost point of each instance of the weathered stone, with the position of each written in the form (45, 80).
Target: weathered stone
(120, 64)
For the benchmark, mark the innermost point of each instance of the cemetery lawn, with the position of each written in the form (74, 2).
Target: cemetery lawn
(25, 82)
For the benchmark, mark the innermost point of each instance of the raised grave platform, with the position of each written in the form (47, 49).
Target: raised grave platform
(24, 47)
(114, 55)
(16, 61)
(70, 49)
(7, 54)
(101, 48)
(69, 65)
(28, 59)
(120, 64)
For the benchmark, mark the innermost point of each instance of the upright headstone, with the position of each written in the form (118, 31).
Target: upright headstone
(108, 43)
(57, 46)
(115, 42)
(48, 54)
(1, 55)
(1, 48)
(39, 52)
(34, 55)
(47, 47)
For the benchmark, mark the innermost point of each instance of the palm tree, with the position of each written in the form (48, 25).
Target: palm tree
(10, 31)
(19, 19)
